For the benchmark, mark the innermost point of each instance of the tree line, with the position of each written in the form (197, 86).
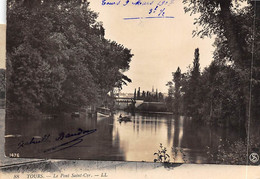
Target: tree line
(148, 96)
(227, 92)
(58, 58)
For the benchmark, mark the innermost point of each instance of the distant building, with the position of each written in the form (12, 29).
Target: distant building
(126, 95)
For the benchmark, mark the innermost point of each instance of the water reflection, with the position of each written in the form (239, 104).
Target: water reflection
(136, 140)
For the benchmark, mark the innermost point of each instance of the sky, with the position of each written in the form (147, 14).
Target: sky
(159, 45)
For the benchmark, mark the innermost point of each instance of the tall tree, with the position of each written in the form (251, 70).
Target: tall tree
(143, 95)
(191, 88)
(138, 93)
(177, 90)
(169, 98)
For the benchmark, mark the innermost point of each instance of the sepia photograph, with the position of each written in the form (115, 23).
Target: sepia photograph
(162, 81)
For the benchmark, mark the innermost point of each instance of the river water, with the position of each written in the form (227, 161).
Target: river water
(186, 141)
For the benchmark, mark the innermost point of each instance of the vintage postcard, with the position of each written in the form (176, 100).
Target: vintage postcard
(165, 81)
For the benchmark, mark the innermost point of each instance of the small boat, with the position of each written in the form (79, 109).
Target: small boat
(125, 118)
(103, 112)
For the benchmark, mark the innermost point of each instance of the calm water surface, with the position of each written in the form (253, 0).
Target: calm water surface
(137, 140)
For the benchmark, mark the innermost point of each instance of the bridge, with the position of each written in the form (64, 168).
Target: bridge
(124, 100)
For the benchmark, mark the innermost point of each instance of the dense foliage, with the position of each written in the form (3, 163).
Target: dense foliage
(223, 91)
(227, 92)
(58, 58)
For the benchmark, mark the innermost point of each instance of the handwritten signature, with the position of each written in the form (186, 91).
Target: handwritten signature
(75, 138)
(34, 141)
(157, 8)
